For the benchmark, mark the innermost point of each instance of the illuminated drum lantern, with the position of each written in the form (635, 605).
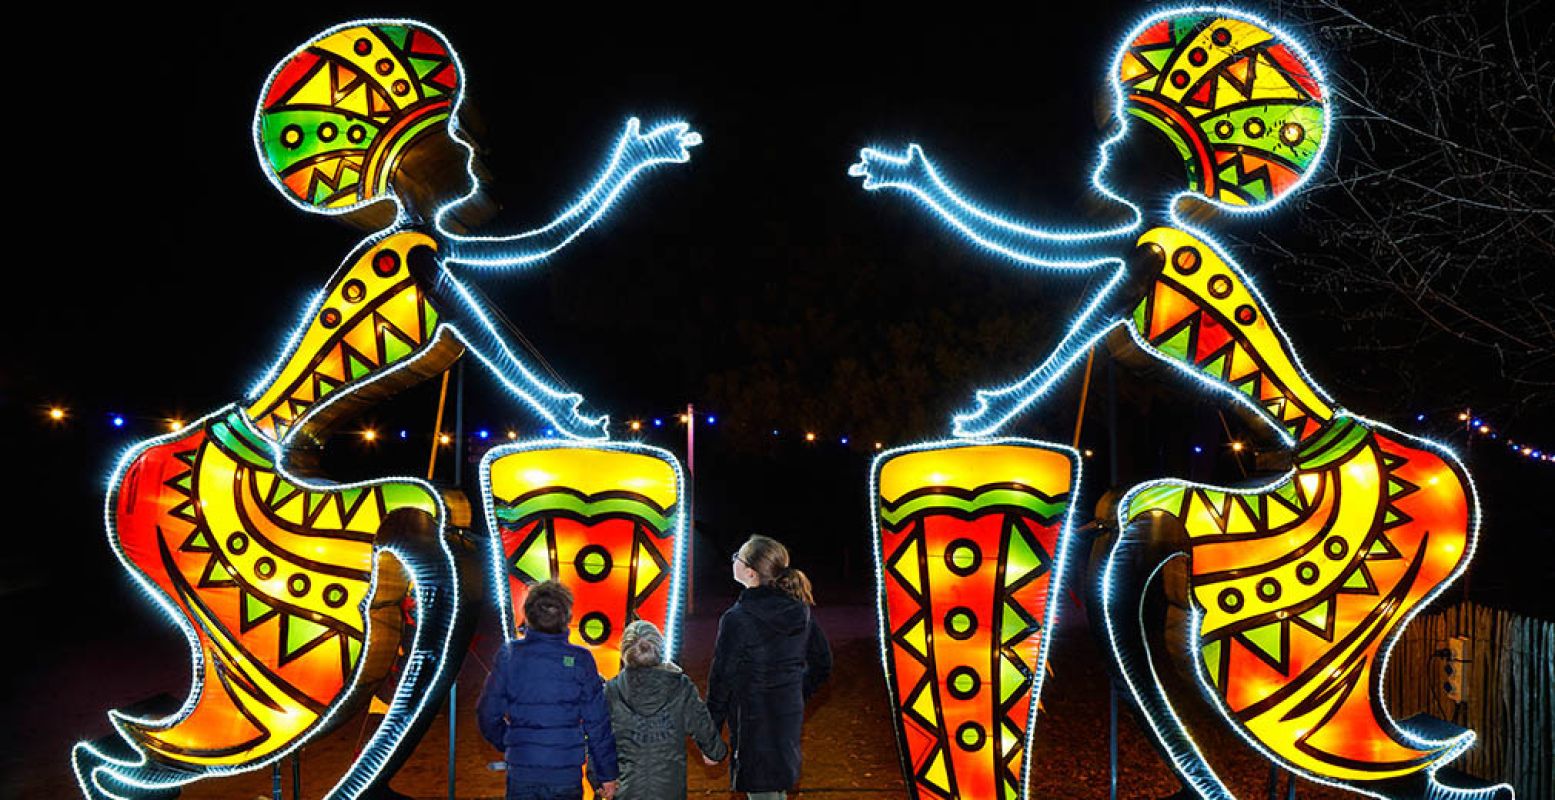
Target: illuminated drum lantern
(1299, 587)
(970, 541)
(605, 520)
(289, 587)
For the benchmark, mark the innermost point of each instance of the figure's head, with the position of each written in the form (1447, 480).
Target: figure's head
(1242, 103)
(548, 607)
(361, 113)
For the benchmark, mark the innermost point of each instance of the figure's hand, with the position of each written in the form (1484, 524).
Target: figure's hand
(607, 789)
(571, 422)
(668, 143)
(882, 169)
(984, 419)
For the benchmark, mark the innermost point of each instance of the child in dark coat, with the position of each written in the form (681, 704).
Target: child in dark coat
(770, 656)
(544, 706)
(653, 708)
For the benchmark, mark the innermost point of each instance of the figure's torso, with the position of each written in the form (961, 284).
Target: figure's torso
(376, 321)
(1202, 313)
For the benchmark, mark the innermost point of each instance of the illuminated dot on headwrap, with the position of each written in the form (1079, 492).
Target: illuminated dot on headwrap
(1217, 85)
(383, 85)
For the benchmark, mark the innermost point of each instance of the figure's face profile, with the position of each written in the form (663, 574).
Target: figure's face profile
(338, 117)
(1242, 104)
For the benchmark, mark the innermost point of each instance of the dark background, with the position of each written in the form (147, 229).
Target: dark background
(160, 271)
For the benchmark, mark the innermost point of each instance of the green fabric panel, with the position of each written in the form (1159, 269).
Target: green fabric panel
(308, 121)
(1336, 450)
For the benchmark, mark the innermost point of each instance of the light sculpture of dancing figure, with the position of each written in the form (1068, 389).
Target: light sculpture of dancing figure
(1299, 587)
(288, 587)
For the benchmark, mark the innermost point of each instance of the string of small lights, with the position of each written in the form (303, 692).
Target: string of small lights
(1474, 426)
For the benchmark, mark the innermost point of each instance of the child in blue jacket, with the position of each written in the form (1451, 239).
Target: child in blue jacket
(544, 706)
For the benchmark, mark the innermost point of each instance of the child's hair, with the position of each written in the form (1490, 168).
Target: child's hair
(769, 558)
(642, 645)
(548, 608)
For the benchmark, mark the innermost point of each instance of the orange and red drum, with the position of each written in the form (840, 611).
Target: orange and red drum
(971, 539)
(604, 519)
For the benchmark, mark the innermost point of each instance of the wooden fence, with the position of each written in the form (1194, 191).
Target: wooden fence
(1507, 684)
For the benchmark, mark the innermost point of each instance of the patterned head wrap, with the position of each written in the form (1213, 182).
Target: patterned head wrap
(341, 110)
(1245, 108)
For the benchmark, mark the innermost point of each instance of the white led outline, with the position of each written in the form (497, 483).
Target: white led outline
(939, 195)
(160, 599)
(1449, 749)
(678, 132)
(1053, 600)
(497, 559)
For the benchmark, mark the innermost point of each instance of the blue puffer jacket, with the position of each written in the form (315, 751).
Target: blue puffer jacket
(544, 706)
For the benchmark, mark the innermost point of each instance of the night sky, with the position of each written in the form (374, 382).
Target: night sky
(161, 270)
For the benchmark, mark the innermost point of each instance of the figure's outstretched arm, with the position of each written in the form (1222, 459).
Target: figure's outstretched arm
(996, 407)
(634, 151)
(911, 171)
(466, 318)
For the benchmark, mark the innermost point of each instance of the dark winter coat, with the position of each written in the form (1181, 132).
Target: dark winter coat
(769, 658)
(544, 705)
(652, 711)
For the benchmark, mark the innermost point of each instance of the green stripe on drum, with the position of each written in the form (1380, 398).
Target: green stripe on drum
(242, 442)
(1031, 502)
(551, 502)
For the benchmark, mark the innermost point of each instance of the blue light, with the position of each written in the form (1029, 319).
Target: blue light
(484, 434)
(711, 419)
(1477, 422)
(404, 434)
(1198, 448)
(118, 421)
(774, 431)
(658, 422)
(549, 432)
(1419, 418)
(844, 440)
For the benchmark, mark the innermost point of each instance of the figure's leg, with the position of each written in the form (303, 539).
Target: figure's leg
(970, 546)
(414, 554)
(1120, 580)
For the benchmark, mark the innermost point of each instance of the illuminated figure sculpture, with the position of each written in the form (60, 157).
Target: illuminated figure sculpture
(289, 587)
(1298, 588)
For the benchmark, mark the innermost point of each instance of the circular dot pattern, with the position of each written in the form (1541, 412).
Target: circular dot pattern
(594, 628)
(334, 595)
(963, 683)
(963, 557)
(971, 736)
(593, 563)
(960, 623)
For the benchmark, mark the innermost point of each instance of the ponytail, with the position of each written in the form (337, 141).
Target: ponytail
(795, 584)
(769, 558)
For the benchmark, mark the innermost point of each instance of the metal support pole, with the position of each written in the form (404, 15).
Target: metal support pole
(275, 781)
(1112, 471)
(691, 539)
(1290, 788)
(297, 775)
(453, 686)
